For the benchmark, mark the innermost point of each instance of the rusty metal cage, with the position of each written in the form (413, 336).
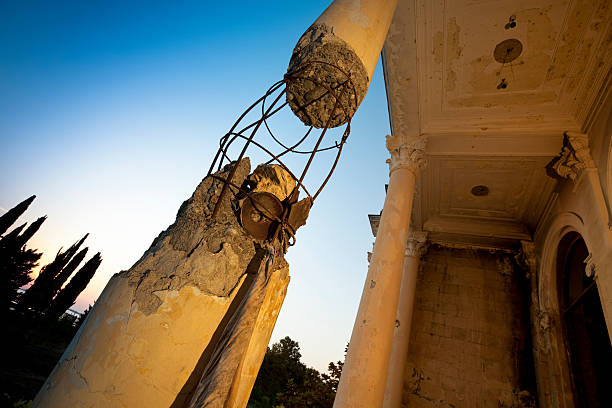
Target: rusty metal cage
(248, 134)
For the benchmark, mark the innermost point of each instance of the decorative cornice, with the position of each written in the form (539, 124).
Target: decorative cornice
(410, 154)
(574, 158)
(417, 244)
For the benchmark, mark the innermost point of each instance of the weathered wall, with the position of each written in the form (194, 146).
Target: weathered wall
(469, 344)
(581, 206)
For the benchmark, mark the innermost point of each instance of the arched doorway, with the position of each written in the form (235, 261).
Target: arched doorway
(584, 326)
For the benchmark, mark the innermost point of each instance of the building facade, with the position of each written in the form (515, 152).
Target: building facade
(503, 111)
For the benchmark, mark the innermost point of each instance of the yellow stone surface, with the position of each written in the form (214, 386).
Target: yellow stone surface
(246, 375)
(123, 358)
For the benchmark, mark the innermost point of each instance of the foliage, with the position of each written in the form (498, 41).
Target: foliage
(284, 381)
(45, 296)
(67, 296)
(50, 279)
(9, 218)
(36, 329)
(16, 262)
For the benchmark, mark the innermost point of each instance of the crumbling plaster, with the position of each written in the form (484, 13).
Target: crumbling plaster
(441, 55)
(151, 335)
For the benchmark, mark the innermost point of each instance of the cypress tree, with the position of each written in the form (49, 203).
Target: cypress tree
(16, 262)
(60, 279)
(40, 294)
(8, 241)
(67, 296)
(8, 219)
(30, 231)
(15, 272)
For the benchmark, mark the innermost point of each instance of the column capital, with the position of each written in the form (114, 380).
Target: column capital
(527, 254)
(526, 258)
(573, 159)
(408, 154)
(590, 268)
(416, 244)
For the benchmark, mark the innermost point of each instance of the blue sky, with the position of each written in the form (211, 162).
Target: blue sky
(110, 112)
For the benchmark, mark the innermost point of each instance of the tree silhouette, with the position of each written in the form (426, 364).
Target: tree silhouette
(34, 339)
(16, 262)
(67, 296)
(8, 219)
(30, 231)
(50, 279)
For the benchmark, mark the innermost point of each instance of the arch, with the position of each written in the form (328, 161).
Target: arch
(553, 370)
(547, 286)
(585, 330)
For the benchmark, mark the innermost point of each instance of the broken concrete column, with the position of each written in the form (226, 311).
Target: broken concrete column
(204, 292)
(345, 40)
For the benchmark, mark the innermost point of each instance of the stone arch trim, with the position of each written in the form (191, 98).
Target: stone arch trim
(552, 360)
(609, 180)
(563, 224)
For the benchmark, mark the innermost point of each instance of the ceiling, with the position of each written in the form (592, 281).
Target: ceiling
(493, 122)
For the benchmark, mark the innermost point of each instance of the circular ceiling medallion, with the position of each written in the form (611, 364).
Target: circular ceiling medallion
(480, 191)
(508, 50)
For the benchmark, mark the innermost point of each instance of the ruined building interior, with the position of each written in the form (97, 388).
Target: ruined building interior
(506, 296)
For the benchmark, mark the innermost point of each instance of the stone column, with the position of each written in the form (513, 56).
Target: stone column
(365, 370)
(415, 248)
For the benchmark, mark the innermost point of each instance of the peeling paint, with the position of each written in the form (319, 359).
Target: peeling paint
(356, 16)
(438, 46)
(504, 99)
(565, 53)
(453, 52)
(589, 37)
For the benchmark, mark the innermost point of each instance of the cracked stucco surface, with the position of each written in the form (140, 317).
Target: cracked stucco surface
(147, 331)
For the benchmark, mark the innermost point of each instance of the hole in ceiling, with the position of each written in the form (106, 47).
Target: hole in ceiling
(511, 22)
(503, 84)
(480, 191)
(508, 50)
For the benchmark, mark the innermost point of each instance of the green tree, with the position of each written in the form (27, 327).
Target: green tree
(284, 381)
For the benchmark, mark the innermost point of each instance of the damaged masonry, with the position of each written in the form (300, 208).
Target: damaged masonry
(189, 323)
(235, 282)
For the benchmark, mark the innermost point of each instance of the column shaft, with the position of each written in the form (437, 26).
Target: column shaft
(364, 375)
(401, 339)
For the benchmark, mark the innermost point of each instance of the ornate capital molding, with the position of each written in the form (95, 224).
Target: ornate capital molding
(416, 244)
(574, 157)
(504, 266)
(370, 253)
(526, 256)
(410, 154)
(590, 267)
